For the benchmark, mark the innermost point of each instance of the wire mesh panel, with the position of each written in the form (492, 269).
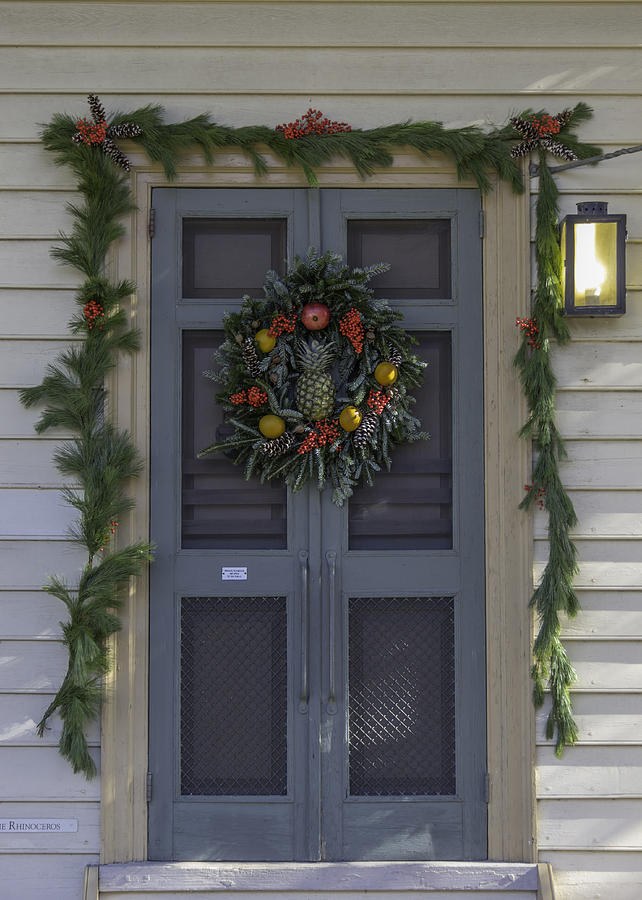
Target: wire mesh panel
(233, 696)
(401, 696)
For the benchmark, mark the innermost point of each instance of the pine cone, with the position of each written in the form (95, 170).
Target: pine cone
(394, 356)
(126, 130)
(250, 358)
(277, 446)
(97, 109)
(365, 431)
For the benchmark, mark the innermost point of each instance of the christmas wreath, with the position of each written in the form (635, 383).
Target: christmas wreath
(316, 378)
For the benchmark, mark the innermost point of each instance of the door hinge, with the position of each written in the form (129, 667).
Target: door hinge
(486, 788)
(151, 223)
(482, 223)
(148, 787)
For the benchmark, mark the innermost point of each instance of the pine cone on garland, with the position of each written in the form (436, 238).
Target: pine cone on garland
(538, 131)
(277, 446)
(99, 134)
(250, 358)
(365, 431)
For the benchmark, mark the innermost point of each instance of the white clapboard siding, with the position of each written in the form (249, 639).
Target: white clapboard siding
(318, 24)
(34, 214)
(32, 513)
(619, 201)
(597, 875)
(60, 874)
(30, 167)
(29, 461)
(51, 778)
(319, 895)
(19, 717)
(30, 614)
(23, 363)
(604, 464)
(595, 414)
(601, 513)
(31, 666)
(29, 264)
(607, 665)
(35, 313)
(27, 565)
(612, 613)
(342, 70)
(597, 364)
(585, 771)
(18, 422)
(85, 840)
(590, 823)
(602, 719)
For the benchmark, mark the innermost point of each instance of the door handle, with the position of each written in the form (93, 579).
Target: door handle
(331, 559)
(304, 694)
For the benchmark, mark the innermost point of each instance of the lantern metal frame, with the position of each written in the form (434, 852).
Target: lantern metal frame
(593, 213)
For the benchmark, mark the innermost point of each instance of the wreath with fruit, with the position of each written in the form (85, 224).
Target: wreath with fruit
(317, 378)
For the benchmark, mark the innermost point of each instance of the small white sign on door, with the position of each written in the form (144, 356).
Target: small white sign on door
(234, 573)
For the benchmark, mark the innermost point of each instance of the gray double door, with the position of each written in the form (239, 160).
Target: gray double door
(317, 675)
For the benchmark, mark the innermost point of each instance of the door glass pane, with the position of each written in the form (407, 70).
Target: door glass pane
(418, 251)
(220, 509)
(401, 708)
(225, 258)
(233, 696)
(410, 507)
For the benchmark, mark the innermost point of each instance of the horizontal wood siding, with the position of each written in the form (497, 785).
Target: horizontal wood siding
(368, 62)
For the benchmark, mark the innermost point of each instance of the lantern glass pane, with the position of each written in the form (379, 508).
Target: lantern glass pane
(595, 264)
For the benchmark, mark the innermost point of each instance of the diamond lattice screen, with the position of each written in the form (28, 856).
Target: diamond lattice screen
(233, 696)
(401, 696)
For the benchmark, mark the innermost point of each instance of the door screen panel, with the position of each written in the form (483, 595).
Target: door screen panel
(229, 257)
(233, 696)
(417, 250)
(401, 687)
(220, 509)
(410, 507)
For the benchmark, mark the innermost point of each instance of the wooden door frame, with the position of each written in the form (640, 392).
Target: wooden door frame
(506, 294)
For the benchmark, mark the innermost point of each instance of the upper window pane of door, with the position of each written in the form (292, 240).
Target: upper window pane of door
(227, 258)
(417, 250)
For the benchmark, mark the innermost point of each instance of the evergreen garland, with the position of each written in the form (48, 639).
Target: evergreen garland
(100, 459)
(554, 593)
(338, 419)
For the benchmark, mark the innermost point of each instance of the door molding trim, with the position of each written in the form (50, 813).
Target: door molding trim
(506, 290)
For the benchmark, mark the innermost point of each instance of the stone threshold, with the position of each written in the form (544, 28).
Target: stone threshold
(338, 876)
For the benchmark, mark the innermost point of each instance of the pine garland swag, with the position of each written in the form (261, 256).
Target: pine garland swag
(100, 459)
(309, 377)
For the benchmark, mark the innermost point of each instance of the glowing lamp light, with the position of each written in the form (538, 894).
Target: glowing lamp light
(593, 262)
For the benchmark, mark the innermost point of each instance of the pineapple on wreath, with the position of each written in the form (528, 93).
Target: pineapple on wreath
(317, 378)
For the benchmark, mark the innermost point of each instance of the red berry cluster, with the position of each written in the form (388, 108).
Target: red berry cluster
(377, 400)
(282, 323)
(327, 431)
(540, 494)
(254, 396)
(351, 327)
(545, 125)
(94, 314)
(112, 527)
(529, 326)
(91, 132)
(313, 122)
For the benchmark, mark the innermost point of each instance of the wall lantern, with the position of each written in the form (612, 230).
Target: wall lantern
(593, 262)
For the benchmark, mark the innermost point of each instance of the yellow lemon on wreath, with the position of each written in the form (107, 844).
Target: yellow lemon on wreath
(271, 426)
(350, 418)
(386, 374)
(265, 340)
